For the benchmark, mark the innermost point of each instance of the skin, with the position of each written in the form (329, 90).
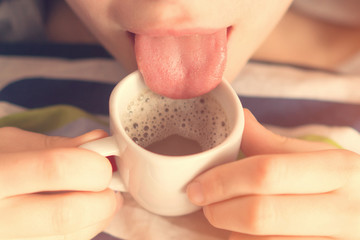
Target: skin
(285, 189)
(71, 204)
(312, 37)
(120, 19)
(311, 188)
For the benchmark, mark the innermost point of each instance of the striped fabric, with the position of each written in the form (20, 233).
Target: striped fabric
(64, 90)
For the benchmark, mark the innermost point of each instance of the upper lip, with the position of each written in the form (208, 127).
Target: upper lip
(173, 32)
(177, 32)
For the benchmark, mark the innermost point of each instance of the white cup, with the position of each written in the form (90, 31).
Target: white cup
(158, 182)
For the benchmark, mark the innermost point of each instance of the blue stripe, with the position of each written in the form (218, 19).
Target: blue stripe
(105, 236)
(296, 112)
(92, 97)
(69, 51)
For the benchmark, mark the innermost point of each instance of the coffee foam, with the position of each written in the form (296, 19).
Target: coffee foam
(150, 118)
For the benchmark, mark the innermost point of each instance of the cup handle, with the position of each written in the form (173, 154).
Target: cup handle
(107, 147)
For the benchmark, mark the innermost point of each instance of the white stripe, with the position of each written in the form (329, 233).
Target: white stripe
(8, 108)
(78, 127)
(263, 80)
(346, 137)
(99, 70)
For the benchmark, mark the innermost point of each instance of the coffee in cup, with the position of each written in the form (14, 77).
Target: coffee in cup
(175, 127)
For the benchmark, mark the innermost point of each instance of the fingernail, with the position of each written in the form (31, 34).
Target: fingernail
(195, 193)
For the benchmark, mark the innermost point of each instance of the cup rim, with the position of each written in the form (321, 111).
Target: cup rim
(237, 129)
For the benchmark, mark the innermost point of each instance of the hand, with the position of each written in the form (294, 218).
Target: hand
(284, 189)
(49, 189)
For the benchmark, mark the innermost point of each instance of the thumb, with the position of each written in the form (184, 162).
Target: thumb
(258, 140)
(16, 140)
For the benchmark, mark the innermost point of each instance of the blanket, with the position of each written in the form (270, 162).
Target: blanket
(63, 90)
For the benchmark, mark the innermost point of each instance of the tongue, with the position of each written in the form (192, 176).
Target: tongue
(182, 66)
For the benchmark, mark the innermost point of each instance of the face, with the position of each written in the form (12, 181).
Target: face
(116, 22)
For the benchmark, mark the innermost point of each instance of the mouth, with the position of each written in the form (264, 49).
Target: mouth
(176, 33)
(229, 31)
(181, 64)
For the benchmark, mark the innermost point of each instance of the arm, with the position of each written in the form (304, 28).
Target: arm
(300, 39)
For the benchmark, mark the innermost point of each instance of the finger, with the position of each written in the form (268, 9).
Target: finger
(16, 140)
(258, 140)
(53, 170)
(287, 215)
(300, 173)
(240, 236)
(62, 214)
